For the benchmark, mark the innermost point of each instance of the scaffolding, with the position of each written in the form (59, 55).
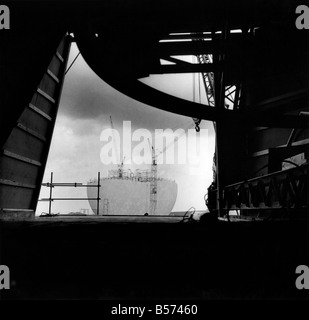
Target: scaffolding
(53, 184)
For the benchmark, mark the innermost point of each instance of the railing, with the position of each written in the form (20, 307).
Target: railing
(52, 185)
(282, 189)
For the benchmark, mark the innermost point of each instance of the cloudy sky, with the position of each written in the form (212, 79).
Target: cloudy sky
(85, 108)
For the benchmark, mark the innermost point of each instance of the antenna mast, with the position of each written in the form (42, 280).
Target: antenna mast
(153, 182)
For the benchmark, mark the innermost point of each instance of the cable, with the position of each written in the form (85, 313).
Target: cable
(72, 63)
(199, 88)
(189, 217)
(193, 81)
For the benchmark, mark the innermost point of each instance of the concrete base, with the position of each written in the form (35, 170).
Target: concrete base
(16, 214)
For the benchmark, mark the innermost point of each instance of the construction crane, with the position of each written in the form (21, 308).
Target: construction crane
(232, 94)
(231, 100)
(208, 80)
(153, 181)
(154, 174)
(120, 166)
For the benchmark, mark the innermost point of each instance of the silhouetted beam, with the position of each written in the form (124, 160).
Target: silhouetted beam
(284, 103)
(286, 121)
(198, 47)
(186, 68)
(198, 36)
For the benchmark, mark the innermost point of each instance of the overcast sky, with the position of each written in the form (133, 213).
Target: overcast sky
(86, 105)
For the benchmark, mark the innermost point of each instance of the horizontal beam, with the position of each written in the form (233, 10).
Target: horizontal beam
(199, 36)
(56, 199)
(266, 151)
(59, 56)
(75, 185)
(31, 132)
(186, 68)
(283, 103)
(53, 76)
(21, 158)
(39, 111)
(64, 184)
(198, 47)
(274, 120)
(45, 95)
(17, 184)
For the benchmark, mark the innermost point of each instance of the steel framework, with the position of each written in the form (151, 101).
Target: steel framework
(282, 189)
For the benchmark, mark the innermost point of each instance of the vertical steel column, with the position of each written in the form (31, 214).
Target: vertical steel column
(50, 192)
(98, 196)
(219, 125)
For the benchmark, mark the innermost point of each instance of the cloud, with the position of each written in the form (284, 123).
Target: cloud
(87, 96)
(85, 108)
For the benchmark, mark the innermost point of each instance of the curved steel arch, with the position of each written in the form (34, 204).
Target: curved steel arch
(110, 61)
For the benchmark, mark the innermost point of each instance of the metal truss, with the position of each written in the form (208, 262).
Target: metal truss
(283, 189)
(231, 92)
